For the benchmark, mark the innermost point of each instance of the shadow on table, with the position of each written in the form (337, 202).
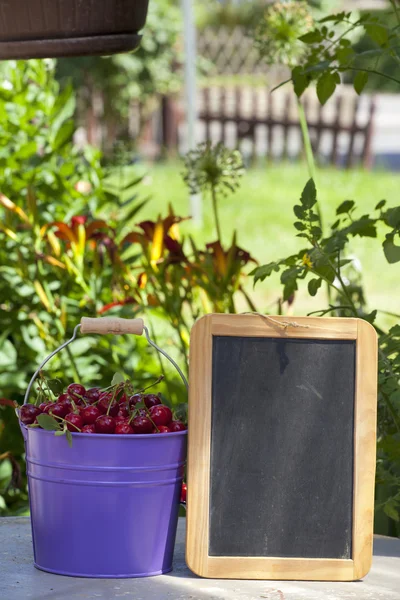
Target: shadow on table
(386, 546)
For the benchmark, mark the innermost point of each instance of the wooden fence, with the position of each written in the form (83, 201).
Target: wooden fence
(260, 123)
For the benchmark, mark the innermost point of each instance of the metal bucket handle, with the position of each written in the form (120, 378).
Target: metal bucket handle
(107, 325)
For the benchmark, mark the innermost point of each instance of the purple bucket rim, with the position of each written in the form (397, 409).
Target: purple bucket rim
(111, 435)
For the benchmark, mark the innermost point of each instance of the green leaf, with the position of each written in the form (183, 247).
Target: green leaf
(261, 273)
(299, 211)
(68, 435)
(312, 37)
(55, 386)
(391, 510)
(313, 286)
(364, 227)
(343, 55)
(378, 33)
(380, 205)
(64, 135)
(48, 422)
(309, 194)
(337, 18)
(371, 317)
(360, 81)
(300, 226)
(346, 207)
(289, 280)
(316, 232)
(300, 82)
(392, 217)
(391, 251)
(117, 378)
(326, 85)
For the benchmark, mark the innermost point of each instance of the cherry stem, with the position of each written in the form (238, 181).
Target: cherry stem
(65, 423)
(111, 401)
(151, 385)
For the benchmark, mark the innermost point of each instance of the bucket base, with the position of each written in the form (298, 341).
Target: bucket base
(97, 576)
(80, 46)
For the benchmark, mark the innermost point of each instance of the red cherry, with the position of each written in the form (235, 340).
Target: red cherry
(75, 391)
(121, 419)
(122, 398)
(89, 429)
(142, 425)
(60, 409)
(64, 398)
(92, 395)
(161, 415)
(123, 428)
(28, 413)
(107, 404)
(44, 406)
(89, 414)
(123, 410)
(133, 400)
(162, 429)
(151, 400)
(74, 422)
(105, 424)
(183, 492)
(177, 426)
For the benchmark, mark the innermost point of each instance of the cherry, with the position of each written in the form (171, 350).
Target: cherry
(133, 400)
(92, 395)
(28, 413)
(161, 415)
(74, 422)
(142, 425)
(89, 414)
(151, 400)
(60, 409)
(89, 428)
(123, 428)
(183, 492)
(105, 424)
(107, 404)
(122, 398)
(177, 426)
(162, 429)
(120, 418)
(123, 410)
(44, 406)
(75, 391)
(64, 398)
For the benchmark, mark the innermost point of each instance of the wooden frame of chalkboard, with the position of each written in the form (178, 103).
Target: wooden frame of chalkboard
(214, 327)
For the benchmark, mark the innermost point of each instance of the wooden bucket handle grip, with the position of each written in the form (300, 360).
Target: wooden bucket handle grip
(112, 325)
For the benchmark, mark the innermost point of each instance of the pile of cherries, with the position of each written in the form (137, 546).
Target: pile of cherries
(110, 411)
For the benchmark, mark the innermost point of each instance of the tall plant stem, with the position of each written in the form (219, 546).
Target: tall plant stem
(312, 171)
(215, 209)
(73, 365)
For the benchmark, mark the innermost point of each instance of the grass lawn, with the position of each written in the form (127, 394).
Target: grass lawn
(261, 211)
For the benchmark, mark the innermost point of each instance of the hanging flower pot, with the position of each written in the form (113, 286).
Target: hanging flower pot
(50, 28)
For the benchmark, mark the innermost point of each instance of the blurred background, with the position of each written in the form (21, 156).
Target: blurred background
(102, 214)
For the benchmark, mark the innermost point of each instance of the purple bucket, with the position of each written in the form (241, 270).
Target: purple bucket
(108, 506)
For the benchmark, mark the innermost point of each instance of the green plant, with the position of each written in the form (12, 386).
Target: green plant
(325, 259)
(331, 51)
(70, 247)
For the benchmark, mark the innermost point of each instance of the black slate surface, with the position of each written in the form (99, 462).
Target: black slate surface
(282, 447)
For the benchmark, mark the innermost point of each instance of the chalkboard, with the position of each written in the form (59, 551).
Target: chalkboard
(281, 447)
(282, 440)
